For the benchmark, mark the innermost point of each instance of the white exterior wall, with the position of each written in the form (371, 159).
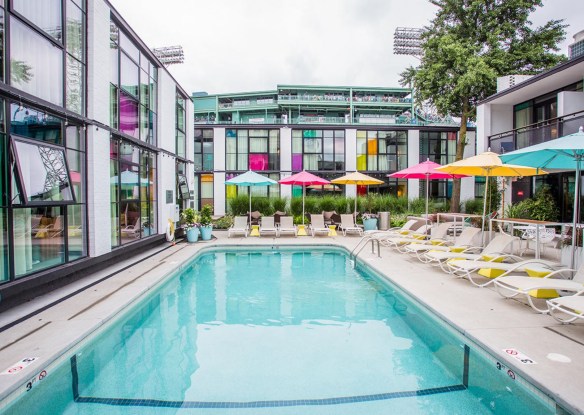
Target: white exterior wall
(350, 158)
(98, 144)
(467, 184)
(570, 102)
(413, 159)
(285, 159)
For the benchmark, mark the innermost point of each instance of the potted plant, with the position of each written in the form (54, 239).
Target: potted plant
(370, 221)
(147, 228)
(206, 222)
(190, 223)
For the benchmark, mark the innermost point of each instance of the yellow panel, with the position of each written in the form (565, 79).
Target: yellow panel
(207, 178)
(362, 162)
(230, 191)
(372, 146)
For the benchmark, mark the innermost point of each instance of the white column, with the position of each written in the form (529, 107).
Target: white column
(285, 159)
(413, 159)
(219, 207)
(350, 158)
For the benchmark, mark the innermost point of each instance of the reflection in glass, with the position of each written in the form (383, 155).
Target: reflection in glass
(129, 75)
(3, 245)
(43, 172)
(128, 115)
(46, 14)
(36, 65)
(75, 85)
(115, 220)
(75, 31)
(76, 163)
(1, 45)
(114, 106)
(35, 124)
(144, 124)
(38, 239)
(77, 247)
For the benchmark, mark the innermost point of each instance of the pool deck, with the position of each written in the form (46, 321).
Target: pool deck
(482, 315)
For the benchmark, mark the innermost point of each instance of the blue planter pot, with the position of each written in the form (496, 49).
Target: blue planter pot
(370, 224)
(206, 232)
(193, 234)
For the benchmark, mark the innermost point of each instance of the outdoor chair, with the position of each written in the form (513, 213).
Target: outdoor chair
(494, 250)
(460, 243)
(286, 225)
(240, 225)
(132, 231)
(267, 226)
(571, 306)
(545, 285)
(348, 225)
(317, 225)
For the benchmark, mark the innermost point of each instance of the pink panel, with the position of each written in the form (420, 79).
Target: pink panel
(258, 161)
(296, 162)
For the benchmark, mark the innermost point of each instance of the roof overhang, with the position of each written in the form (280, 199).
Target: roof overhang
(558, 77)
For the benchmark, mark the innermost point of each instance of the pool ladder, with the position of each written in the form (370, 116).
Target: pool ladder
(362, 244)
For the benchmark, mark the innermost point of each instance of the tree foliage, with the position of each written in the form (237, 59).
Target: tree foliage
(468, 45)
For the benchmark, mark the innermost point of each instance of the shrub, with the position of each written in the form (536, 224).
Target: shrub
(473, 206)
(443, 206)
(351, 204)
(417, 206)
(541, 207)
(311, 204)
(326, 204)
(279, 204)
(223, 223)
(341, 205)
(205, 217)
(239, 205)
(261, 204)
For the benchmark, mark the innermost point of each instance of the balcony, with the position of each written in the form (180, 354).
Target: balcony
(536, 133)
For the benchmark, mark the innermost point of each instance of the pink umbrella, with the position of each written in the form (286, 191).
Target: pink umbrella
(425, 170)
(303, 179)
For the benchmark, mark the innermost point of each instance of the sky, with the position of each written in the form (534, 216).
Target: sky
(253, 45)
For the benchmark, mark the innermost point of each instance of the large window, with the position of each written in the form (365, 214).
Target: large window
(133, 192)
(257, 150)
(318, 150)
(46, 195)
(133, 88)
(203, 149)
(439, 147)
(45, 60)
(382, 150)
(181, 145)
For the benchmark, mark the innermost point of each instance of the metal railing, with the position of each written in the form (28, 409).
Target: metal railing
(536, 133)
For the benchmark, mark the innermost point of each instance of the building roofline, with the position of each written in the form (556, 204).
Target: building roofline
(536, 78)
(144, 46)
(308, 87)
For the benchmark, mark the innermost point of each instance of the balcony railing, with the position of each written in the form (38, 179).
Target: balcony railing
(536, 133)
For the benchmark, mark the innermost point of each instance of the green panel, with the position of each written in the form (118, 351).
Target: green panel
(204, 104)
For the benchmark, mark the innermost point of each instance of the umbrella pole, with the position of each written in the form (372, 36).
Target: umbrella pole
(485, 207)
(576, 213)
(249, 193)
(303, 204)
(427, 182)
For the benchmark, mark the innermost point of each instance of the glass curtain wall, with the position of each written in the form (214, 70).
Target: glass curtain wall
(380, 153)
(47, 191)
(439, 147)
(46, 60)
(133, 89)
(318, 150)
(203, 149)
(181, 144)
(133, 192)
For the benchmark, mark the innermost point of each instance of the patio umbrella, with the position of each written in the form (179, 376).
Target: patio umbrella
(128, 177)
(487, 164)
(250, 178)
(356, 178)
(303, 179)
(425, 170)
(564, 153)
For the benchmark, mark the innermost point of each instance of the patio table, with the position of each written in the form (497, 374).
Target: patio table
(539, 225)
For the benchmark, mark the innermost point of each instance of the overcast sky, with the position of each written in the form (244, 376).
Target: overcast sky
(253, 45)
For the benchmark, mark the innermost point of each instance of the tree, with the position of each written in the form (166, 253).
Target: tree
(467, 46)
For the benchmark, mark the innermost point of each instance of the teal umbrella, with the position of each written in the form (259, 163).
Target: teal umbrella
(564, 153)
(250, 178)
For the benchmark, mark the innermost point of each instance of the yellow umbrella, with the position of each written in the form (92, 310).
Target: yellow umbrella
(488, 164)
(356, 178)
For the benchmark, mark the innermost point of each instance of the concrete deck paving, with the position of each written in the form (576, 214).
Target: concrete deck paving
(482, 315)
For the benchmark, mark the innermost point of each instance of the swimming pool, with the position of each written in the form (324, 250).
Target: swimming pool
(278, 332)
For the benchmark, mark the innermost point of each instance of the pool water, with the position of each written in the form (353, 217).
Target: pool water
(277, 332)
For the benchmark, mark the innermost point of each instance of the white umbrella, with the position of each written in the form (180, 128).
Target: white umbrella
(250, 178)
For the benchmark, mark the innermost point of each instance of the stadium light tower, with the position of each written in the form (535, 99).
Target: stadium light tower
(170, 55)
(408, 41)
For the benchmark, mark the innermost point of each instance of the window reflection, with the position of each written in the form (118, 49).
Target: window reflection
(35, 124)
(74, 30)
(3, 245)
(46, 14)
(36, 65)
(43, 172)
(128, 115)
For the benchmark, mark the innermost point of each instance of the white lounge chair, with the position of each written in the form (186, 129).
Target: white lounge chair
(286, 225)
(240, 225)
(267, 226)
(435, 233)
(495, 250)
(572, 306)
(409, 227)
(317, 224)
(132, 231)
(493, 270)
(544, 286)
(348, 225)
(460, 243)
